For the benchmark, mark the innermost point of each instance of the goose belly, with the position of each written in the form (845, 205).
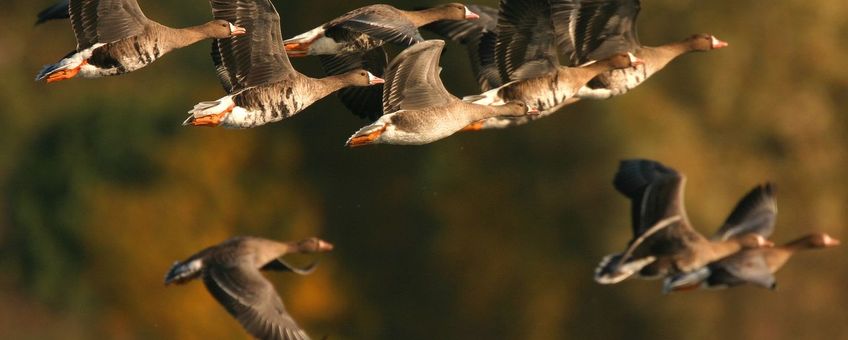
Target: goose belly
(421, 127)
(123, 56)
(614, 82)
(359, 43)
(543, 94)
(263, 105)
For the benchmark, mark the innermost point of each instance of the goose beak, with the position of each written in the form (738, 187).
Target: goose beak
(324, 246)
(237, 30)
(634, 61)
(718, 43)
(764, 242)
(830, 241)
(532, 111)
(374, 80)
(469, 15)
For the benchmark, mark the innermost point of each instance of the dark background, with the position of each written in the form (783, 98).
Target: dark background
(487, 235)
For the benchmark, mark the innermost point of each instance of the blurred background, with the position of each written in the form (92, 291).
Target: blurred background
(489, 235)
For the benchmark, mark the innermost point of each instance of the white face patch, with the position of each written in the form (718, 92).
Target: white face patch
(469, 14)
(236, 30)
(633, 60)
(717, 43)
(372, 79)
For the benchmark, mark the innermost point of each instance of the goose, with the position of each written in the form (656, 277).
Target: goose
(756, 212)
(525, 58)
(231, 272)
(418, 109)
(750, 266)
(664, 241)
(114, 37)
(261, 84)
(58, 10)
(595, 29)
(368, 27)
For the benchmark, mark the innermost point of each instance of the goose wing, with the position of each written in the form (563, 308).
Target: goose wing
(380, 22)
(251, 299)
(755, 213)
(105, 21)
(595, 29)
(479, 38)
(526, 42)
(252, 59)
(412, 79)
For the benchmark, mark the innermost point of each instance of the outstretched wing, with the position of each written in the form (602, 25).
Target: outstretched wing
(595, 29)
(255, 58)
(755, 213)
(380, 22)
(252, 300)
(526, 41)
(105, 21)
(412, 79)
(655, 192)
(471, 34)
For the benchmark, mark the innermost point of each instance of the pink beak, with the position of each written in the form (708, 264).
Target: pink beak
(374, 80)
(237, 30)
(718, 43)
(469, 15)
(634, 61)
(324, 245)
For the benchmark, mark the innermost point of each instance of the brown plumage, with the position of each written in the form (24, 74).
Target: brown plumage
(418, 109)
(589, 30)
(231, 273)
(371, 26)
(664, 241)
(254, 69)
(750, 266)
(115, 37)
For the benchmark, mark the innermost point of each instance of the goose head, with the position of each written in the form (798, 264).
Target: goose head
(455, 11)
(313, 245)
(820, 240)
(705, 42)
(624, 60)
(753, 240)
(221, 29)
(362, 77)
(518, 108)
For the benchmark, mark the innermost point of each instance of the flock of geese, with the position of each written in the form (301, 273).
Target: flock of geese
(530, 58)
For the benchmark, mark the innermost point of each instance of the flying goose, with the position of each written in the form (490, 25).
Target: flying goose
(261, 84)
(525, 59)
(114, 37)
(595, 29)
(231, 272)
(756, 212)
(418, 109)
(754, 266)
(368, 27)
(664, 241)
